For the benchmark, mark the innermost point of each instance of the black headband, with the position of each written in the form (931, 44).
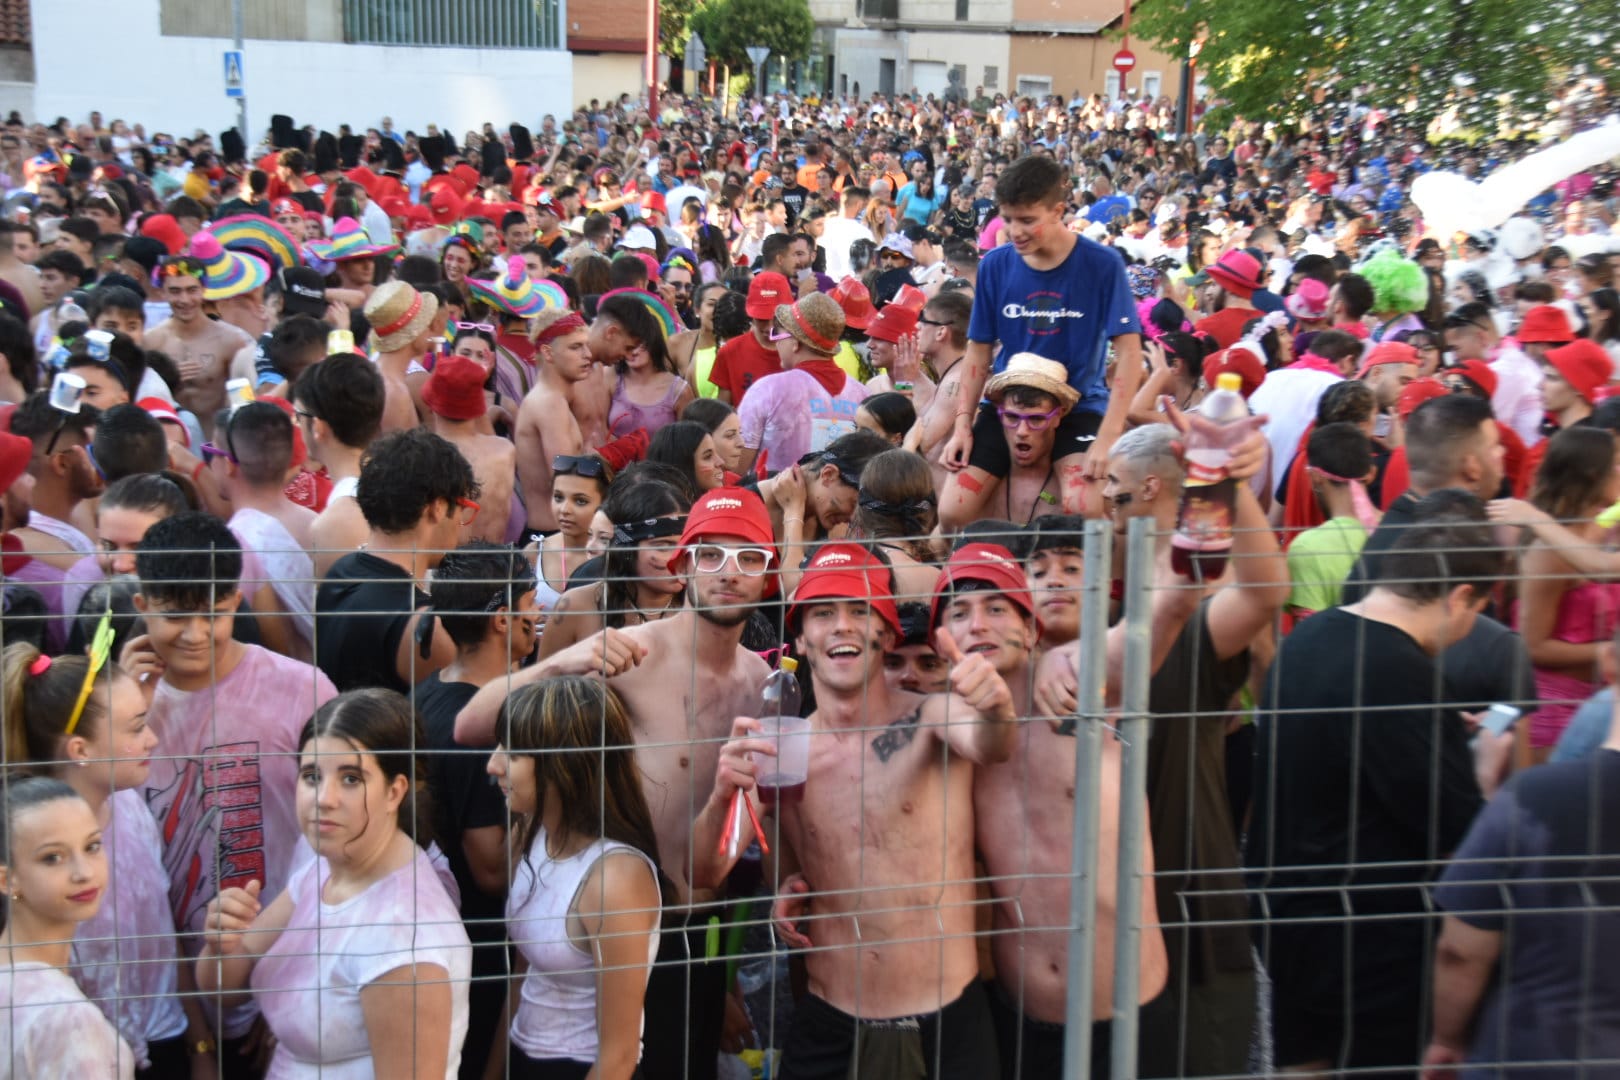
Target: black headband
(635, 532)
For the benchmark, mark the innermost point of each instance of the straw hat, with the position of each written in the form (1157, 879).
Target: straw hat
(1036, 372)
(398, 314)
(816, 322)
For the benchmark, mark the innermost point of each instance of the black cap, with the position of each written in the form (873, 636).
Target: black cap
(303, 291)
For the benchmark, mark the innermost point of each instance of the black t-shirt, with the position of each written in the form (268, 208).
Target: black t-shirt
(233, 207)
(795, 197)
(362, 609)
(1356, 767)
(464, 796)
(1197, 871)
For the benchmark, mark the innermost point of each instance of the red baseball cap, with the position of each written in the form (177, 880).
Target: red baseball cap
(844, 571)
(16, 452)
(1479, 373)
(1388, 352)
(765, 293)
(1416, 393)
(287, 206)
(1545, 324)
(652, 200)
(991, 564)
(159, 409)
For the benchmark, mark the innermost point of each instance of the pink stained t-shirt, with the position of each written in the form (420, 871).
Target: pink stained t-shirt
(124, 959)
(309, 983)
(789, 414)
(223, 784)
(49, 1029)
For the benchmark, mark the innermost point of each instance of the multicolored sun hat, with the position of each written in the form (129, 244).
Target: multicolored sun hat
(518, 296)
(349, 241)
(660, 311)
(259, 236)
(226, 273)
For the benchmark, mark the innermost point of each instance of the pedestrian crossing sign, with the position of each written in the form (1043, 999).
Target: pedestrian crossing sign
(233, 74)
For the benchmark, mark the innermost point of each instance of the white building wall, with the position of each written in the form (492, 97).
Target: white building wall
(975, 52)
(917, 55)
(126, 69)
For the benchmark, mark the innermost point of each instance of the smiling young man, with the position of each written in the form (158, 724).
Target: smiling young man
(548, 425)
(227, 716)
(202, 348)
(1059, 296)
(1031, 400)
(883, 835)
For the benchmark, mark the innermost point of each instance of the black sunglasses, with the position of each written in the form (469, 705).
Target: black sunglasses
(587, 465)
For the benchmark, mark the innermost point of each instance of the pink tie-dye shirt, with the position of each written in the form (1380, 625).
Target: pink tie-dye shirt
(124, 959)
(49, 1029)
(309, 982)
(223, 785)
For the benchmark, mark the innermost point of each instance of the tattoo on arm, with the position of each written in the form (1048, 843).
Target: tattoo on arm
(897, 735)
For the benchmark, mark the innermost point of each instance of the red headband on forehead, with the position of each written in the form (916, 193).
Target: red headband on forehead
(565, 325)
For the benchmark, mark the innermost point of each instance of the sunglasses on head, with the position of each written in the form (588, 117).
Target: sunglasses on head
(587, 465)
(179, 266)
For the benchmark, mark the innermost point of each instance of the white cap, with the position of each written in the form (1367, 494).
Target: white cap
(638, 238)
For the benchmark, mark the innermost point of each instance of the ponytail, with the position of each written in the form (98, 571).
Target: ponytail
(38, 694)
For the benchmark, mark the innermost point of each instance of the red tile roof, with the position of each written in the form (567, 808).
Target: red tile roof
(14, 25)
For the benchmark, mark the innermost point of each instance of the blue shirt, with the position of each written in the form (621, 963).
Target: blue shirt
(1068, 313)
(1106, 210)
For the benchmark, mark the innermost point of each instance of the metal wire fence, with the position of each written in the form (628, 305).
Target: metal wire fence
(1215, 865)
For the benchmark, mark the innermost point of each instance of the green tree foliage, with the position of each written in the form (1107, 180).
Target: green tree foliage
(674, 17)
(728, 27)
(1482, 58)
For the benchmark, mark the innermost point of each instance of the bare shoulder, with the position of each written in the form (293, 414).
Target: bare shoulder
(580, 599)
(909, 714)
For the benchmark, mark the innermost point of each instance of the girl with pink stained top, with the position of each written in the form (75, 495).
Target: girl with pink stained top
(53, 878)
(361, 965)
(125, 957)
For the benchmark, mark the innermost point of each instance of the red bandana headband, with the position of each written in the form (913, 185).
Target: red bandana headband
(565, 325)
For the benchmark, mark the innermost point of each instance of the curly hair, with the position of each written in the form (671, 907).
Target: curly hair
(406, 472)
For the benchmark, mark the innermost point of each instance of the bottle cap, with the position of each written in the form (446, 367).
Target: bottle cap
(1229, 380)
(787, 664)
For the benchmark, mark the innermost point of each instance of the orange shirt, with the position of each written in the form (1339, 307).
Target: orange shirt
(808, 175)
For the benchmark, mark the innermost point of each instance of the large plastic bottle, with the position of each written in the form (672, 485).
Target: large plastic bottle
(1203, 538)
(781, 778)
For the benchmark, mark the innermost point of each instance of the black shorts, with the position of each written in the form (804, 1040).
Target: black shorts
(686, 1004)
(956, 1043)
(1033, 1049)
(1075, 434)
(521, 1066)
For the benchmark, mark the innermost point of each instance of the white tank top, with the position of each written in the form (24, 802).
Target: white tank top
(556, 1014)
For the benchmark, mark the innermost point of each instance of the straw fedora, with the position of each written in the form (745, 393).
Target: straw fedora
(1037, 373)
(398, 314)
(816, 322)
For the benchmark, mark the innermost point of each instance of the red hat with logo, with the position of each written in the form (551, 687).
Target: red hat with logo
(845, 571)
(1584, 364)
(1545, 324)
(765, 293)
(731, 511)
(892, 323)
(989, 564)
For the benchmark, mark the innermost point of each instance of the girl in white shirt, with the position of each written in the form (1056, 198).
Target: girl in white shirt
(361, 965)
(585, 901)
(53, 878)
(125, 958)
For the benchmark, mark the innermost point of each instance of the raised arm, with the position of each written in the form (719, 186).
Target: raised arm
(985, 735)
(607, 653)
(975, 373)
(237, 932)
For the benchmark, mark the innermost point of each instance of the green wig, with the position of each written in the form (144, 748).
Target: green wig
(1399, 284)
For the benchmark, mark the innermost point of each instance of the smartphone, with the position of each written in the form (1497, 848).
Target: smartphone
(1499, 719)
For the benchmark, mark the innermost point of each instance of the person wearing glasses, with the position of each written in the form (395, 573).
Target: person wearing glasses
(694, 677)
(1031, 396)
(417, 495)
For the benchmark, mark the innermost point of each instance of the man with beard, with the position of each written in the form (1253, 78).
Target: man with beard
(1389, 367)
(726, 557)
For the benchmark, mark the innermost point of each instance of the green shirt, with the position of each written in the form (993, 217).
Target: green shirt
(1320, 559)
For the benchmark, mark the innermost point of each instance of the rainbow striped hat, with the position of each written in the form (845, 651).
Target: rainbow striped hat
(667, 321)
(516, 295)
(226, 273)
(255, 235)
(349, 241)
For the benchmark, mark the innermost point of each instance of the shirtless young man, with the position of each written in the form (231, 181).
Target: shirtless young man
(454, 395)
(942, 340)
(339, 407)
(400, 318)
(883, 835)
(1024, 814)
(201, 347)
(695, 656)
(547, 425)
(1032, 398)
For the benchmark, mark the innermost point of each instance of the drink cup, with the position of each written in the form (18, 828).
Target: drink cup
(781, 778)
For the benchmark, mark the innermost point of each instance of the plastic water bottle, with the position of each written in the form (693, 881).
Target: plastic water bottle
(1203, 539)
(781, 778)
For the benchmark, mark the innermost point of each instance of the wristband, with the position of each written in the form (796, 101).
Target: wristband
(903, 387)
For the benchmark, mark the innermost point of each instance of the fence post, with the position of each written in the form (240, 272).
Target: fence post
(1093, 676)
(1133, 736)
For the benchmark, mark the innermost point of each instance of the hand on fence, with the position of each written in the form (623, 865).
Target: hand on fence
(792, 904)
(229, 915)
(1057, 685)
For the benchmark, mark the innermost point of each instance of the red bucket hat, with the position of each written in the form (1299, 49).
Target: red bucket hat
(765, 293)
(1546, 324)
(1584, 364)
(991, 564)
(844, 571)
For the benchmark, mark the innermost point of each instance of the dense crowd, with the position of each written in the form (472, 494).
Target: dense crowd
(401, 533)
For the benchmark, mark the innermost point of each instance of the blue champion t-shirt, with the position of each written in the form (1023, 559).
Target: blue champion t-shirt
(1067, 313)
